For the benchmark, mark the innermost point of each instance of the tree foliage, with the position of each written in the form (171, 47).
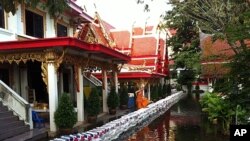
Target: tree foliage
(55, 7)
(222, 19)
(226, 19)
(185, 42)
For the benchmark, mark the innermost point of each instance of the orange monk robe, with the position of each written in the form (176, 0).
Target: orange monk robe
(141, 101)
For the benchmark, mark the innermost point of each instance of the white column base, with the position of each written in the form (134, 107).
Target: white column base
(80, 97)
(116, 82)
(104, 91)
(149, 93)
(53, 94)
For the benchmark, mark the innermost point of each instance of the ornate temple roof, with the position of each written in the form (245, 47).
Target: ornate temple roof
(95, 32)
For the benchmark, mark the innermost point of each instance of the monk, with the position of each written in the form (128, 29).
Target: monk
(141, 101)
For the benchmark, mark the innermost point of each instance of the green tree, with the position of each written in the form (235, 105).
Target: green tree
(185, 43)
(226, 19)
(55, 7)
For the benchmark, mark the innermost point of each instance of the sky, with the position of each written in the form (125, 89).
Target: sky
(126, 13)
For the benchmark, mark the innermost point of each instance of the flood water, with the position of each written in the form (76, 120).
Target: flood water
(183, 122)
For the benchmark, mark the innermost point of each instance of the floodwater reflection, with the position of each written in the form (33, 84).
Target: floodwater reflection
(183, 122)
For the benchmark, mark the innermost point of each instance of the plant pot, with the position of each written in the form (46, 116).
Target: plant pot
(92, 119)
(123, 107)
(65, 131)
(112, 111)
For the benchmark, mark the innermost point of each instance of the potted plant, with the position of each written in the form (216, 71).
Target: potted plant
(124, 97)
(154, 93)
(65, 115)
(160, 92)
(93, 107)
(112, 101)
(169, 89)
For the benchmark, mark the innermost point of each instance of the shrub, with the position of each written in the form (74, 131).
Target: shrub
(164, 90)
(154, 93)
(65, 115)
(93, 107)
(160, 91)
(113, 99)
(168, 89)
(218, 106)
(124, 95)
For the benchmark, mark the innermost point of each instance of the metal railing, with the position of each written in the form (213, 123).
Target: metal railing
(94, 80)
(16, 103)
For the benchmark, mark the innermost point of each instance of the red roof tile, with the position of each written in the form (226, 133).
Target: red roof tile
(219, 49)
(137, 31)
(144, 46)
(122, 39)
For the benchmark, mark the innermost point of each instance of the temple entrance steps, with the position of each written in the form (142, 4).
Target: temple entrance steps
(91, 78)
(95, 81)
(12, 128)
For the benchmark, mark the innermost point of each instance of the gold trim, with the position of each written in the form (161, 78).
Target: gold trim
(84, 62)
(76, 77)
(21, 57)
(50, 57)
(54, 56)
(44, 72)
(106, 34)
(90, 36)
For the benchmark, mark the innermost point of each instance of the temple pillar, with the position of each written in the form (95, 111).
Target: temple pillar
(80, 97)
(53, 93)
(116, 81)
(104, 90)
(149, 91)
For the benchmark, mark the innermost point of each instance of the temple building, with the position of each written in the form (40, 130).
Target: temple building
(40, 59)
(149, 56)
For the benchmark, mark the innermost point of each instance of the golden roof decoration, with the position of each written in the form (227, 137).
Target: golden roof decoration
(106, 34)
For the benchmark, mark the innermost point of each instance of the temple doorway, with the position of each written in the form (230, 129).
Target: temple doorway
(37, 88)
(4, 75)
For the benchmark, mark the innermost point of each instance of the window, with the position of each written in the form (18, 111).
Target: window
(34, 24)
(62, 30)
(1, 17)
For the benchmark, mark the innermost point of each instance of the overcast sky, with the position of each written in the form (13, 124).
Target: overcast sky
(123, 13)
